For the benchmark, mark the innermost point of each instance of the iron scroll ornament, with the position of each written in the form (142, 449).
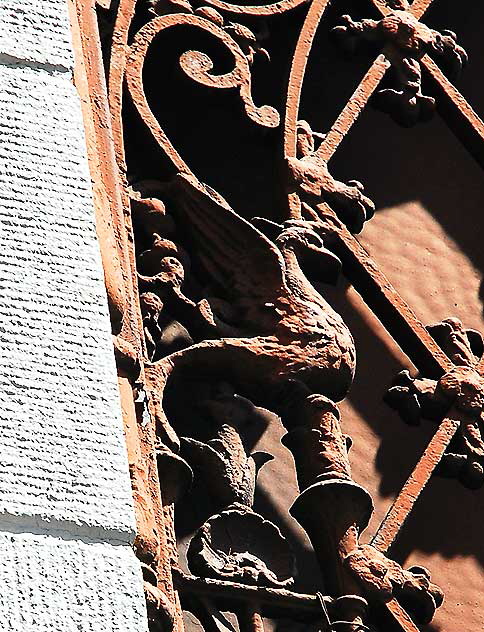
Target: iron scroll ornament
(321, 218)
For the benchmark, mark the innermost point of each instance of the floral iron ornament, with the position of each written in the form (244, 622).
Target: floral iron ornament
(406, 41)
(310, 178)
(229, 299)
(462, 386)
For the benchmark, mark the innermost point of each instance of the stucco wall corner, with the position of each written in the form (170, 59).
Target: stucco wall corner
(66, 510)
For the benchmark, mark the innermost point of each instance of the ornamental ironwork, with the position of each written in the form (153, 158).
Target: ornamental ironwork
(218, 319)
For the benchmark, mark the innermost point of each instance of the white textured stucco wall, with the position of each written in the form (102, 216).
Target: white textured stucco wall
(66, 518)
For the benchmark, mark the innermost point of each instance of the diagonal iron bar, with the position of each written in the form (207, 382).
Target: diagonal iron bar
(353, 108)
(412, 336)
(401, 616)
(406, 499)
(419, 7)
(384, 300)
(480, 366)
(365, 89)
(456, 111)
(458, 114)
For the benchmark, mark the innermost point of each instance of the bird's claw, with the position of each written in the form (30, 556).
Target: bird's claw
(310, 178)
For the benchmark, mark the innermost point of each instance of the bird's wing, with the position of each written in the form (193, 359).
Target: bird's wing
(238, 257)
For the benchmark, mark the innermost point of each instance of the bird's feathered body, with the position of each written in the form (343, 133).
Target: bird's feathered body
(293, 331)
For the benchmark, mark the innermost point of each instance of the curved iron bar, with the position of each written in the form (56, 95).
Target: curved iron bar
(254, 10)
(117, 66)
(298, 69)
(198, 67)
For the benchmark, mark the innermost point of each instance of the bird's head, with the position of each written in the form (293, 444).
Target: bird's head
(316, 260)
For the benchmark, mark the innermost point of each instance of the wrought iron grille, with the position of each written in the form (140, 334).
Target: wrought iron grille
(252, 321)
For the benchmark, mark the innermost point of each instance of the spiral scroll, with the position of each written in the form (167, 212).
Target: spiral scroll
(197, 66)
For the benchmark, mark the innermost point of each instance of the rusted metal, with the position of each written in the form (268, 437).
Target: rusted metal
(401, 617)
(353, 108)
(410, 492)
(256, 10)
(108, 194)
(298, 69)
(406, 41)
(197, 66)
(419, 7)
(280, 598)
(114, 234)
(250, 620)
(375, 289)
(268, 331)
(456, 111)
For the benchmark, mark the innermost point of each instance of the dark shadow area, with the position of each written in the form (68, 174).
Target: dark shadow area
(184, 407)
(446, 519)
(195, 508)
(308, 575)
(462, 18)
(331, 75)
